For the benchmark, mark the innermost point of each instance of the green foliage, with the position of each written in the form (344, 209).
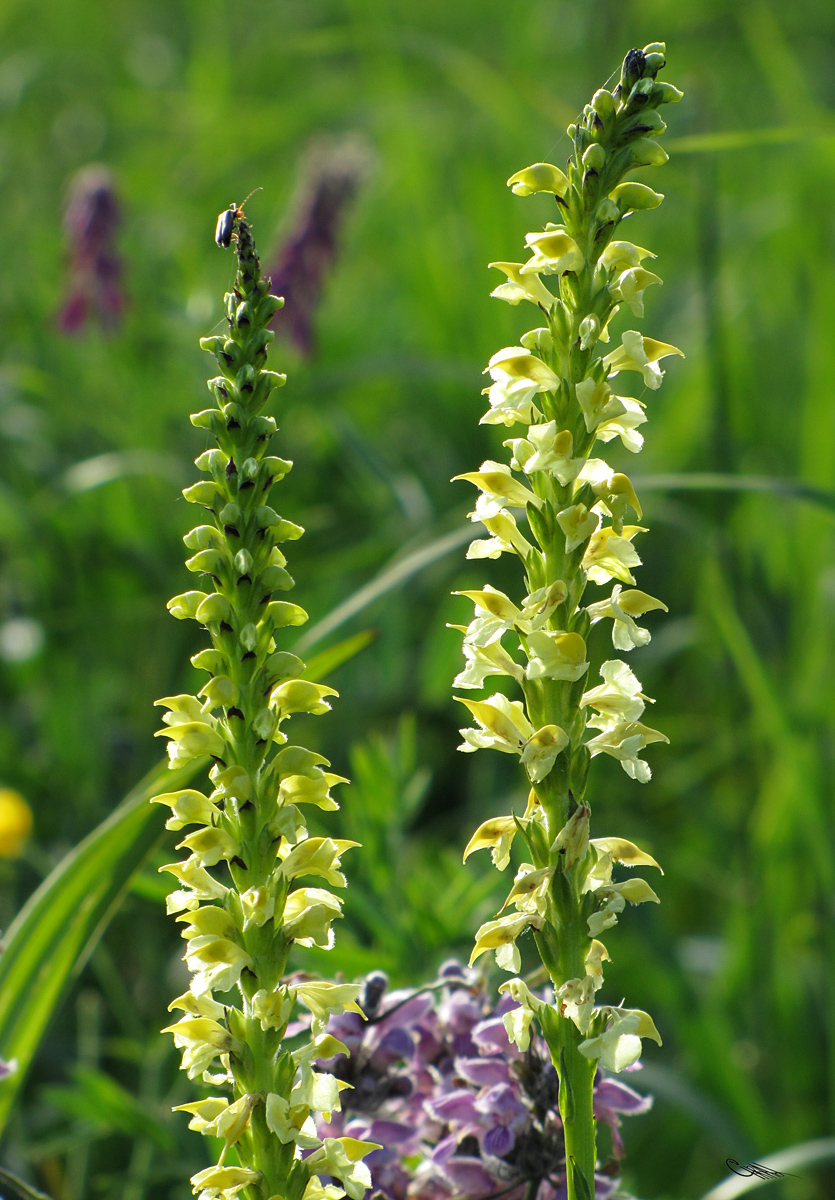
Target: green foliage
(57, 930)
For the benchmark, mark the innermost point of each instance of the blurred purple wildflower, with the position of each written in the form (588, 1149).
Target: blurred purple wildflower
(330, 180)
(435, 1079)
(95, 269)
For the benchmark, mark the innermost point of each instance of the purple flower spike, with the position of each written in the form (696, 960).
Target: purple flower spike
(95, 269)
(330, 181)
(434, 1074)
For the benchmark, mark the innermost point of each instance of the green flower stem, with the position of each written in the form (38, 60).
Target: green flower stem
(240, 936)
(557, 383)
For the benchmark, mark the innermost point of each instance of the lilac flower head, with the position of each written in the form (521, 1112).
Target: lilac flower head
(91, 220)
(435, 1078)
(329, 183)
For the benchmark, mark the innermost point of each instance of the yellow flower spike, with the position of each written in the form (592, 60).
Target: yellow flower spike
(15, 823)
(540, 177)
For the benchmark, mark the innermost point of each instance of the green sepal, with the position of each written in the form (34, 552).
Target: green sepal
(282, 613)
(209, 419)
(205, 562)
(296, 760)
(203, 537)
(665, 93)
(205, 492)
(209, 660)
(635, 196)
(581, 1186)
(185, 606)
(276, 579)
(282, 665)
(214, 608)
(566, 1091)
(213, 460)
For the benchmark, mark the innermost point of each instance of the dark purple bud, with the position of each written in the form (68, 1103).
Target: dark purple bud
(329, 183)
(372, 993)
(95, 270)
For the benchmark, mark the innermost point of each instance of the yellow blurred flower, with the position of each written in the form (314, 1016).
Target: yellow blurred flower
(15, 823)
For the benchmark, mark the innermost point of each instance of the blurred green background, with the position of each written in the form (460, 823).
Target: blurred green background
(193, 104)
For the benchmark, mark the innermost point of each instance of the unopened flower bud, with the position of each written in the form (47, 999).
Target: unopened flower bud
(632, 70)
(594, 158)
(589, 331)
(603, 103)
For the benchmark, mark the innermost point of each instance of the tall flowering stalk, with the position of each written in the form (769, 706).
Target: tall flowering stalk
(557, 383)
(239, 929)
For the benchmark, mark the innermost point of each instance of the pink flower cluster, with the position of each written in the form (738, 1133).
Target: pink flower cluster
(457, 1108)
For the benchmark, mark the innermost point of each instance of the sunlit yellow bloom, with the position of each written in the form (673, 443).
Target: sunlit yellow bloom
(484, 661)
(505, 727)
(496, 481)
(546, 449)
(556, 655)
(521, 287)
(506, 536)
(316, 856)
(188, 807)
(620, 1045)
(618, 256)
(609, 555)
(622, 607)
(222, 1183)
(342, 1158)
(497, 834)
(624, 742)
(308, 913)
(501, 934)
(540, 177)
(554, 252)
(517, 377)
(578, 524)
(642, 354)
(630, 287)
(575, 1000)
(619, 698)
(517, 1022)
(325, 998)
(215, 962)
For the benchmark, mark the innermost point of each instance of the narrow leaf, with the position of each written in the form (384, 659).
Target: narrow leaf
(322, 664)
(773, 1166)
(52, 937)
(12, 1188)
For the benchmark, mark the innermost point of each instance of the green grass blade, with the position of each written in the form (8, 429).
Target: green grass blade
(784, 1162)
(16, 1189)
(56, 931)
(321, 664)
